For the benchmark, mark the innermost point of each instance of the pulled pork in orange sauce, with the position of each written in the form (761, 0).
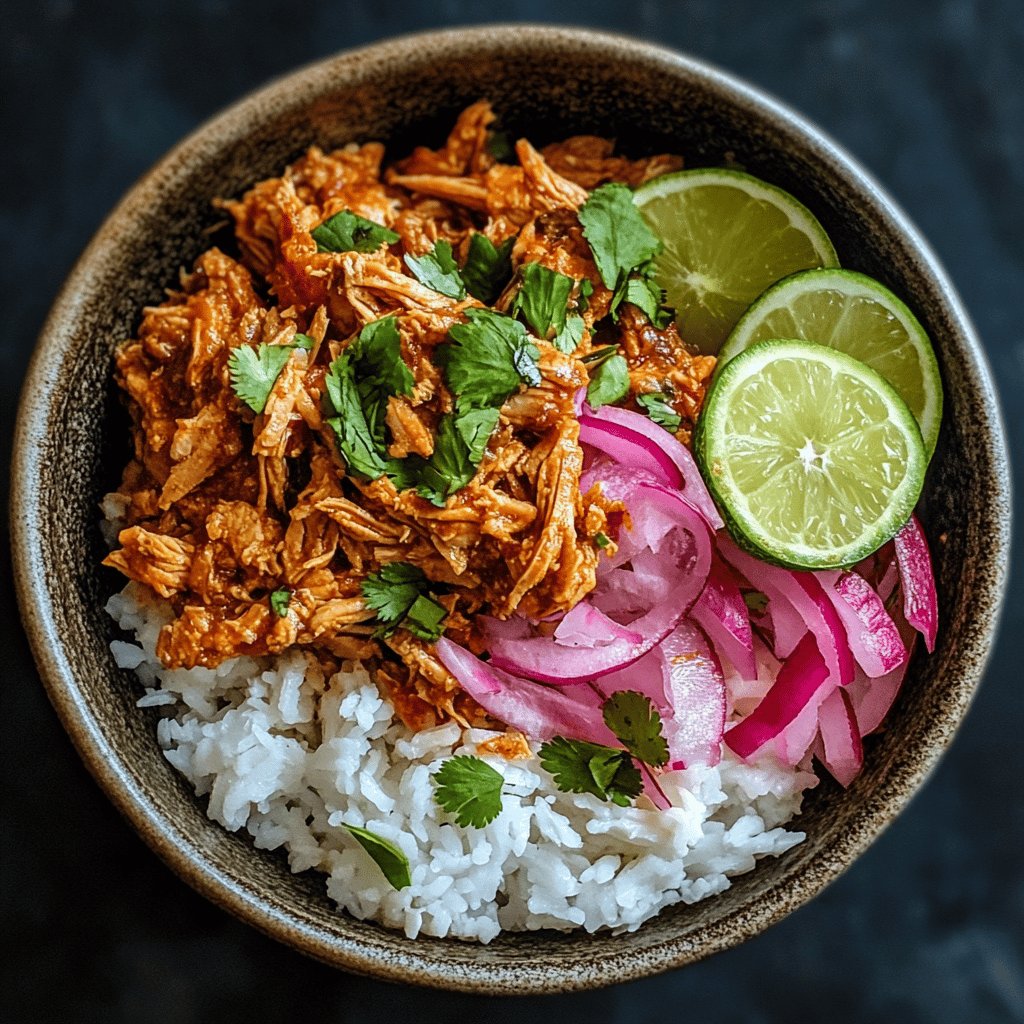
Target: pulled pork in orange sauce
(225, 506)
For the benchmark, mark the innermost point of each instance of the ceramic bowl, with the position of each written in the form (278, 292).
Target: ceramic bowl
(547, 83)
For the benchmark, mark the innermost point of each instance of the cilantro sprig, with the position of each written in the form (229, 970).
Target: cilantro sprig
(348, 232)
(610, 773)
(609, 382)
(581, 767)
(437, 269)
(488, 268)
(487, 359)
(623, 247)
(359, 383)
(254, 371)
(470, 789)
(399, 594)
(392, 862)
(660, 410)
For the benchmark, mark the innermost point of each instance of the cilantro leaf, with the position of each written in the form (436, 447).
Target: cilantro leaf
(602, 540)
(542, 299)
(356, 441)
(469, 788)
(438, 270)
(660, 410)
(458, 448)
(641, 291)
(568, 338)
(636, 723)
(359, 383)
(609, 382)
(254, 371)
(348, 232)
(499, 145)
(756, 602)
(393, 590)
(303, 341)
(487, 269)
(581, 767)
(618, 235)
(398, 594)
(389, 858)
(279, 601)
(487, 359)
(425, 619)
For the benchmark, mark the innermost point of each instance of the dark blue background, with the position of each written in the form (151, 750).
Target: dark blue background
(928, 925)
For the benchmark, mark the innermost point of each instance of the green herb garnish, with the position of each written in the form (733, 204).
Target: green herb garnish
(279, 601)
(542, 299)
(469, 788)
(580, 767)
(398, 593)
(487, 269)
(389, 858)
(348, 232)
(255, 370)
(660, 410)
(602, 540)
(487, 359)
(458, 448)
(568, 338)
(438, 270)
(636, 723)
(756, 602)
(618, 235)
(359, 384)
(641, 291)
(499, 145)
(609, 383)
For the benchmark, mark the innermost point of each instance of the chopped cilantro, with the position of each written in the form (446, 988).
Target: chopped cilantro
(398, 594)
(581, 767)
(348, 232)
(359, 384)
(618, 235)
(660, 410)
(487, 269)
(568, 338)
(641, 291)
(636, 723)
(425, 619)
(469, 788)
(542, 299)
(602, 540)
(279, 601)
(609, 383)
(254, 371)
(487, 359)
(458, 448)
(756, 602)
(389, 858)
(499, 145)
(438, 270)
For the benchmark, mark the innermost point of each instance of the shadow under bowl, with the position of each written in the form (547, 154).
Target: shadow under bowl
(545, 83)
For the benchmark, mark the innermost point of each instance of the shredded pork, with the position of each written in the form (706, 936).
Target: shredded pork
(225, 507)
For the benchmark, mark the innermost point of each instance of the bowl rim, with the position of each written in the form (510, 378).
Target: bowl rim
(414, 962)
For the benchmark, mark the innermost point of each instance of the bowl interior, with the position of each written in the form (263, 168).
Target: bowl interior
(546, 84)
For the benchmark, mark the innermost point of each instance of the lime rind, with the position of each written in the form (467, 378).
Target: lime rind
(743, 471)
(924, 398)
(723, 248)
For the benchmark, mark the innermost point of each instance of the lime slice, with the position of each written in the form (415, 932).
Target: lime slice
(859, 316)
(812, 456)
(727, 236)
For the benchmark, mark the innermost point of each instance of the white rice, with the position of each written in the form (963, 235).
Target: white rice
(290, 756)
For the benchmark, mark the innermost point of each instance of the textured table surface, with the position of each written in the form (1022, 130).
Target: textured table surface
(928, 925)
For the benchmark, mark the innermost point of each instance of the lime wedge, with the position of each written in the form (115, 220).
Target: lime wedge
(727, 236)
(812, 456)
(859, 316)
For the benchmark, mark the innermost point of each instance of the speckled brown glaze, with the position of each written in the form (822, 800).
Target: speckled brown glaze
(548, 83)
